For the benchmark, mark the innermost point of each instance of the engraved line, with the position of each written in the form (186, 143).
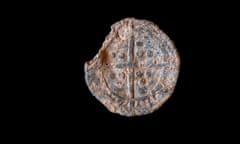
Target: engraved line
(131, 64)
(127, 65)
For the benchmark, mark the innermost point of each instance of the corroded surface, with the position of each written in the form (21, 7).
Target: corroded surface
(136, 69)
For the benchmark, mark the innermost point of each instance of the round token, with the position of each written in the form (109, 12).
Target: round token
(135, 70)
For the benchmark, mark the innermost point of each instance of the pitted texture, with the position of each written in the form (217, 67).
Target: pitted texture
(136, 69)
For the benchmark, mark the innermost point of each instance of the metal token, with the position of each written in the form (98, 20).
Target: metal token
(135, 70)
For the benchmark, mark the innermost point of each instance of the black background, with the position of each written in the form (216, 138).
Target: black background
(76, 38)
(63, 37)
